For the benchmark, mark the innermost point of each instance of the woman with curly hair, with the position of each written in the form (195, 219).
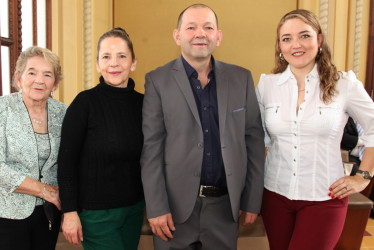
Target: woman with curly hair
(305, 105)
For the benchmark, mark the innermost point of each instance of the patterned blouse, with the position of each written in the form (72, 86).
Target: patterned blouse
(19, 155)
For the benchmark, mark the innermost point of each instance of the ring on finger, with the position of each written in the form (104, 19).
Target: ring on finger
(346, 188)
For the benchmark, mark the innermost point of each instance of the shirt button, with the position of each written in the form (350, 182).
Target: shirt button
(294, 174)
(205, 108)
(294, 160)
(295, 147)
(206, 131)
(208, 154)
(294, 134)
(301, 108)
(295, 122)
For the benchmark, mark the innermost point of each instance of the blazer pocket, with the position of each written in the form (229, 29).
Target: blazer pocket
(238, 116)
(239, 109)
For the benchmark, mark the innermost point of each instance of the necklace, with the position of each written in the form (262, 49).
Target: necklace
(37, 121)
(300, 90)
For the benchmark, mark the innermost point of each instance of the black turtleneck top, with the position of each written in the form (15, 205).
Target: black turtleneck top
(101, 143)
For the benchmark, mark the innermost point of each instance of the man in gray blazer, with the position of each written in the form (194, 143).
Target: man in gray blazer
(203, 155)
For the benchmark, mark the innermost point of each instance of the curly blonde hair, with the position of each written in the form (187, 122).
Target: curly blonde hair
(328, 74)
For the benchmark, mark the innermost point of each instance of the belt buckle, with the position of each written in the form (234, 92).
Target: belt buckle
(201, 191)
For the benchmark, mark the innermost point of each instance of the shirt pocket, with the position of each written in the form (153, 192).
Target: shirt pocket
(272, 114)
(327, 116)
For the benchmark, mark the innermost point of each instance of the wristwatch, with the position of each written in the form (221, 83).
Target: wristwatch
(365, 174)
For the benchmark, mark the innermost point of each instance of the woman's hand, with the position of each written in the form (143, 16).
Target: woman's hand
(348, 185)
(72, 228)
(51, 194)
(41, 190)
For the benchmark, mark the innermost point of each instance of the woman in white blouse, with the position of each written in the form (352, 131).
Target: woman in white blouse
(305, 105)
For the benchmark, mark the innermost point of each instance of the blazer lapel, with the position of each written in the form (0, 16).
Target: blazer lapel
(181, 78)
(222, 95)
(25, 136)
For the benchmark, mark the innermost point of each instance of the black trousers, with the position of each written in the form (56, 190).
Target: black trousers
(31, 233)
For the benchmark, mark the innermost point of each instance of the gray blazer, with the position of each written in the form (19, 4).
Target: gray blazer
(173, 141)
(19, 153)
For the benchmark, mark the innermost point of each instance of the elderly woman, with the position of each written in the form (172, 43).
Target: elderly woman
(101, 142)
(30, 125)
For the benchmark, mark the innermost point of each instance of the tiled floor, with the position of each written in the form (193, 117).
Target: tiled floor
(256, 243)
(368, 240)
(260, 243)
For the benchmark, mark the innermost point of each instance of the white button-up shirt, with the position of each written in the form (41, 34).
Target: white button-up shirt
(304, 156)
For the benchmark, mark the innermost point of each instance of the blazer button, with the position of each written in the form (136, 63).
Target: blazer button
(200, 145)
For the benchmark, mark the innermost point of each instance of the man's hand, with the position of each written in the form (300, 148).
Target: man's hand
(249, 218)
(162, 225)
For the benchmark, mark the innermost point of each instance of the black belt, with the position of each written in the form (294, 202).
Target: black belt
(212, 191)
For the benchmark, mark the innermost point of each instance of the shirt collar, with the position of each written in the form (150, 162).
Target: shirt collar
(190, 70)
(287, 74)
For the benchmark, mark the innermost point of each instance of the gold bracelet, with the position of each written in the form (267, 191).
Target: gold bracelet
(42, 196)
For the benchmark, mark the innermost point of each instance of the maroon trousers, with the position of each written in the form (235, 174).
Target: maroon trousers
(307, 225)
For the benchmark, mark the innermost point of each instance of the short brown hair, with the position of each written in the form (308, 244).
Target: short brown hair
(117, 32)
(194, 6)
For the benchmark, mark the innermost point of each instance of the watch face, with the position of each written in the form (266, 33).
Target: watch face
(365, 174)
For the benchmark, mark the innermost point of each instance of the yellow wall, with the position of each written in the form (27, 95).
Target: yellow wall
(342, 35)
(248, 31)
(248, 34)
(312, 5)
(69, 41)
(67, 19)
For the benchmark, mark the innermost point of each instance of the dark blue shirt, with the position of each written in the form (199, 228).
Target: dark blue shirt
(212, 171)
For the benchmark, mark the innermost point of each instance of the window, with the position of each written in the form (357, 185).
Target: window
(23, 23)
(369, 85)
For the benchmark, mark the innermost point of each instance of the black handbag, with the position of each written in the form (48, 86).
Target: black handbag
(51, 212)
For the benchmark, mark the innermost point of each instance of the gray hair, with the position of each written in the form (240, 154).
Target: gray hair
(34, 51)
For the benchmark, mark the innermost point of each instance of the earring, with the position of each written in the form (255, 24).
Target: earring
(52, 94)
(320, 51)
(281, 56)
